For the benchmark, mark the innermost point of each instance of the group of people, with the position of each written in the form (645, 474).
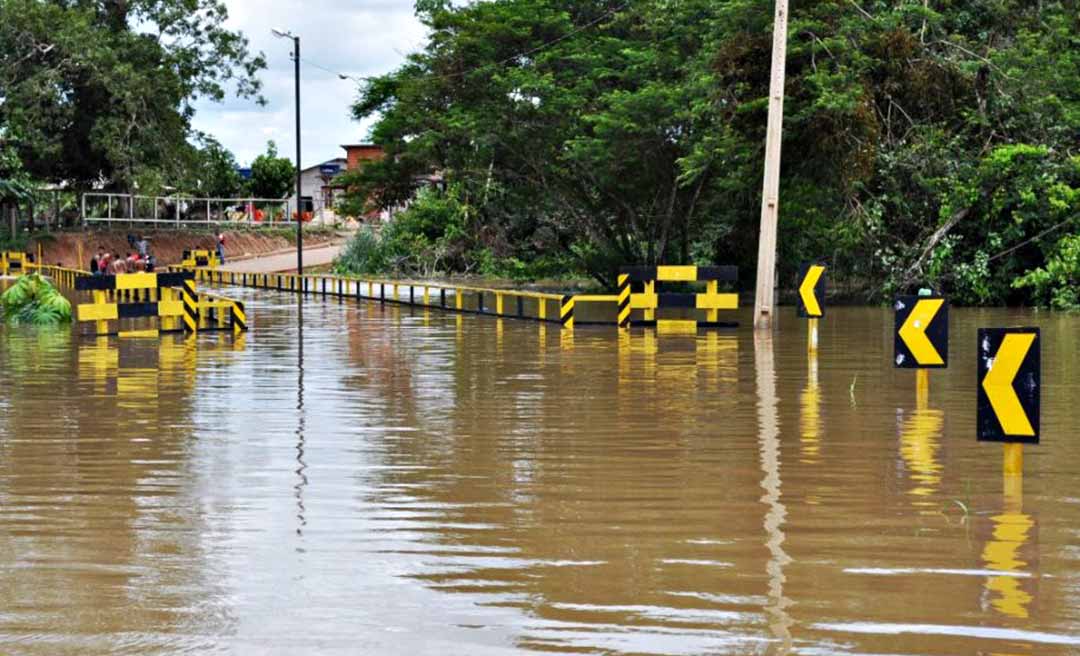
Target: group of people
(104, 263)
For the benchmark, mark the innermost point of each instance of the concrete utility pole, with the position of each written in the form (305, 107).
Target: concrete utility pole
(770, 197)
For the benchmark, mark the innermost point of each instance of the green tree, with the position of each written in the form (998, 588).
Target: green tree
(272, 176)
(103, 90)
(922, 141)
(213, 171)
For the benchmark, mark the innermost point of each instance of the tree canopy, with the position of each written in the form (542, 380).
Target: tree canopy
(925, 142)
(102, 91)
(272, 176)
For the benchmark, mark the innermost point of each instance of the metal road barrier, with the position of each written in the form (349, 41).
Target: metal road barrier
(200, 259)
(637, 292)
(14, 263)
(171, 298)
(505, 303)
(563, 309)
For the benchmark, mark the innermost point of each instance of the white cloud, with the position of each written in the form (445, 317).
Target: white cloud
(357, 38)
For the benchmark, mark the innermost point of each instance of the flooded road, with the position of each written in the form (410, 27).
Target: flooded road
(412, 482)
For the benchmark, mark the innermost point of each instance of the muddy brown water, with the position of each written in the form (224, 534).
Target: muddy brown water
(411, 482)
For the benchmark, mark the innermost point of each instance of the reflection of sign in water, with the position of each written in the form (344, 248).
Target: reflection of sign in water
(1012, 551)
(922, 332)
(1009, 385)
(812, 291)
(919, 445)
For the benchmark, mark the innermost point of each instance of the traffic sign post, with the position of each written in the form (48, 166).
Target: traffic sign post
(811, 304)
(1009, 392)
(922, 338)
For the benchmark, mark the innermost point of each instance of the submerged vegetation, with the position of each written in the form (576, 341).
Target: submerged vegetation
(35, 301)
(925, 143)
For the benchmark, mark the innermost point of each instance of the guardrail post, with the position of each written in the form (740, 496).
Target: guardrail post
(498, 304)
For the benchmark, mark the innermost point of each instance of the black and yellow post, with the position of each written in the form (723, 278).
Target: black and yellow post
(191, 312)
(623, 318)
(566, 312)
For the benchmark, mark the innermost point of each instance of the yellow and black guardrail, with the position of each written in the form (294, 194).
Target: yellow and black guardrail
(200, 259)
(503, 303)
(637, 292)
(14, 263)
(171, 298)
(563, 309)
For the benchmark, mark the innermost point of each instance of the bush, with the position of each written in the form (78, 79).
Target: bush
(33, 300)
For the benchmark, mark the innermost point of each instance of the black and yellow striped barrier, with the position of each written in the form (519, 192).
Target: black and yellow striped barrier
(199, 259)
(169, 297)
(637, 292)
(14, 263)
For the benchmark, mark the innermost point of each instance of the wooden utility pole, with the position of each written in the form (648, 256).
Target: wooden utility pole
(770, 197)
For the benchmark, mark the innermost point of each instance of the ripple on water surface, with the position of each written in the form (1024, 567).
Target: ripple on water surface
(387, 480)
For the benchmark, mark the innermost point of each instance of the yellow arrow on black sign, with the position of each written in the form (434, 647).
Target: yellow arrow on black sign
(812, 291)
(922, 332)
(1009, 385)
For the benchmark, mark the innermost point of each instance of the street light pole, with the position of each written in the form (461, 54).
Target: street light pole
(299, 174)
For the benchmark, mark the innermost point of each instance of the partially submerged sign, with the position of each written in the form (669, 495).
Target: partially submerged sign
(812, 291)
(922, 332)
(1009, 395)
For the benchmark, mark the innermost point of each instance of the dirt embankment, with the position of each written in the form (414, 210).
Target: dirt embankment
(167, 246)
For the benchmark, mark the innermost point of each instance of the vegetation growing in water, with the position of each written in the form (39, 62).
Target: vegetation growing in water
(34, 300)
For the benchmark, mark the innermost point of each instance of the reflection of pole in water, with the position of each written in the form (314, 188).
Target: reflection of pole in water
(300, 439)
(919, 445)
(769, 436)
(810, 405)
(1003, 553)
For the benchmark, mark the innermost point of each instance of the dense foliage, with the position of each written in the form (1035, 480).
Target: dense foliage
(102, 91)
(34, 300)
(272, 176)
(925, 141)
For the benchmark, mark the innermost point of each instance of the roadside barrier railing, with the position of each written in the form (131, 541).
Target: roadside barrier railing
(14, 263)
(505, 303)
(637, 292)
(171, 298)
(200, 259)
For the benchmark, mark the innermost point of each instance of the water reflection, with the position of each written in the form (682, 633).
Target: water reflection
(920, 434)
(301, 470)
(641, 494)
(810, 406)
(769, 439)
(1007, 551)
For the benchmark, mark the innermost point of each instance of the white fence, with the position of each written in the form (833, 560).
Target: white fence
(182, 211)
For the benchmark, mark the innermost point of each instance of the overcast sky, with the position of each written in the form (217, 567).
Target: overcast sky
(355, 37)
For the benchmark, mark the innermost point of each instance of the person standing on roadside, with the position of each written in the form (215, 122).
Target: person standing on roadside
(221, 247)
(103, 262)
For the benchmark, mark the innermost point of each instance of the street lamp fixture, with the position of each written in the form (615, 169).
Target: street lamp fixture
(282, 34)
